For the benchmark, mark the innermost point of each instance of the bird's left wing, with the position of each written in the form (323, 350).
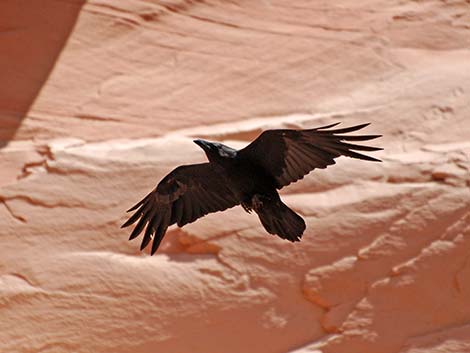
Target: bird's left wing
(184, 195)
(289, 155)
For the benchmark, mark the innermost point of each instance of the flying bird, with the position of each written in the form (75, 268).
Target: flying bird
(250, 177)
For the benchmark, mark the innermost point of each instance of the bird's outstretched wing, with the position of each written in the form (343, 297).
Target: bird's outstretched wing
(184, 195)
(289, 155)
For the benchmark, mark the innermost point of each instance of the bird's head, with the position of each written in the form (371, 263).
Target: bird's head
(216, 150)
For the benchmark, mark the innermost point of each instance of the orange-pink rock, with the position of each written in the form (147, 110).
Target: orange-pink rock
(100, 99)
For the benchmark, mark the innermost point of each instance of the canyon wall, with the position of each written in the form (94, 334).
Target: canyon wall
(101, 98)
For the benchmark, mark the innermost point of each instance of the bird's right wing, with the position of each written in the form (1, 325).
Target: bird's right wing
(289, 155)
(184, 195)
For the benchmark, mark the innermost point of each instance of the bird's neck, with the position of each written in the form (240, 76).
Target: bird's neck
(220, 160)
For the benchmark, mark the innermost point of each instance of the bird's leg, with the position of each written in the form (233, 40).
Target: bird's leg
(246, 207)
(257, 202)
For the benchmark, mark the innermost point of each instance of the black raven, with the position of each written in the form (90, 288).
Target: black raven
(250, 177)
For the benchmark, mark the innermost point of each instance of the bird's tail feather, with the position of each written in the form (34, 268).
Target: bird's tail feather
(278, 219)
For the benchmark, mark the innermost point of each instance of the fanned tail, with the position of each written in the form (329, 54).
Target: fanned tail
(277, 218)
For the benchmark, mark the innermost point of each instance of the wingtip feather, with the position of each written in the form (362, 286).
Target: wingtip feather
(154, 249)
(369, 158)
(145, 242)
(133, 236)
(328, 126)
(349, 129)
(138, 204)
(131, 220)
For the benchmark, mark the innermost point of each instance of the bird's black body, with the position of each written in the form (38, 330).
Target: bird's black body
(249, 177)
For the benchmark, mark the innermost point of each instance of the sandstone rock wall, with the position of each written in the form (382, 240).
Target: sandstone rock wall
(102, 98)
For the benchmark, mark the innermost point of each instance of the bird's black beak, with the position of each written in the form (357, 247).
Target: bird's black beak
(203, 144)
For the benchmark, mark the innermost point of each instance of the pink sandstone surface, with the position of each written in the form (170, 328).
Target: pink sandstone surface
(101, 98)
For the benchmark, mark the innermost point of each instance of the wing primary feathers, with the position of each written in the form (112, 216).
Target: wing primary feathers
(138, 228)
(357, 147)
(302, 163)
(156, 244)
(289, 169)
(321, 161)
(327, 126)
(145, 241)
(148, 235)
(331, 154)
(132, 219)
(305, 157)
(348, 153)
(148, 231)
(322, 157)
(140, 202)
(363, 156)
(345, 130)
(163, 226)
(357, 138)
(151, 225)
